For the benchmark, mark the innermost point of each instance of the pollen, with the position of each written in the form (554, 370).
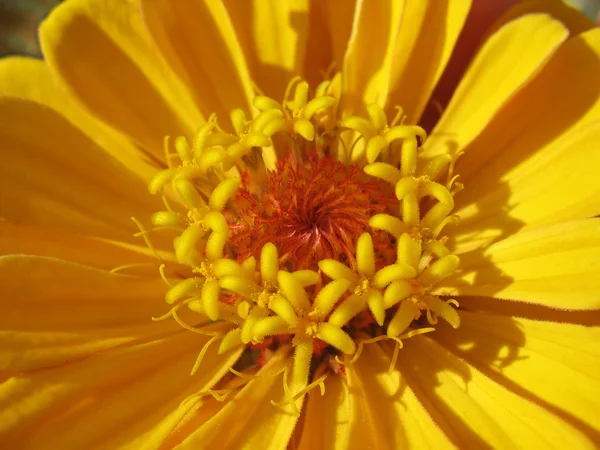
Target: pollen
(301, 230)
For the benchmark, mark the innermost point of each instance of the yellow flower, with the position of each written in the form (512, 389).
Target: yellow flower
(306, 248)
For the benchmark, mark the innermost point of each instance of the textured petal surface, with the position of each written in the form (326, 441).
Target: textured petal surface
(517, 131)
(55, 311)
(31, 79)
(430, 29)
(504, 63)
(556, 266)
(521, 354)
(384, 412)
(481, 412)
(258, 423)
(101, 52)
(558, 184)
(57, 177)
(333, 408)
(274, 37)
(198, 40)
(128, 397)
(19, 239)
(368, 58)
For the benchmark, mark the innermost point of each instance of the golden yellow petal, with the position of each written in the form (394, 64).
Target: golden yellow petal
(428, 28)
(255, 422)
(558, 183)
(554, 364)
(128, 397)
(332, 409)
(517, 133)
(385, 413)
(105, 254)
(56, 311)
(557, 266)
(53, 175)
(31, 79)
(368, 59)
(481, 412)
(502, 67)
(273, 36)
(199, 41)
(118, 75)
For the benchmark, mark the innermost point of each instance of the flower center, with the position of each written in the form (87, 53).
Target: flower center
(311, 210)
(329, 240)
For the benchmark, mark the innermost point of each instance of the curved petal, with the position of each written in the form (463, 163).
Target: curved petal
(430, 30)
(501, 68)
(368, 58)
(56, 177)
(516, 130)
(516, 141)
(274, 37)
(557, 266)
(385, 412)
(258, 423)
(570, 16)
(483, 413)
(100, 51)
(484, 19)
(31, 79)
(128, 397)
(554, 364)
(558, 184)
(54, 311)
(198, 40)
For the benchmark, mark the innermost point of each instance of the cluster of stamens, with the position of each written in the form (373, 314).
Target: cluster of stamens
(363, 291)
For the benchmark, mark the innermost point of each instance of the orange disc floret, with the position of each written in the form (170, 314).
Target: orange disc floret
(311, 210)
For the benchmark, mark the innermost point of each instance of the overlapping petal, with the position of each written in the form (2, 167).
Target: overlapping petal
(556, 266)
(121, 80)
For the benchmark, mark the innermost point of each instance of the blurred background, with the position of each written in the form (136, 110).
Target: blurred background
(19, 20)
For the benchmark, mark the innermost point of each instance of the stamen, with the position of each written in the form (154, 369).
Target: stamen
(131, 266)
(203, 353)
(146, 238)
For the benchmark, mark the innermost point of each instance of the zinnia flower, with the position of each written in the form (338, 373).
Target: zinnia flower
(321, 261)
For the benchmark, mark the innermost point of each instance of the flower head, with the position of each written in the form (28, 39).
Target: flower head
(319, 264)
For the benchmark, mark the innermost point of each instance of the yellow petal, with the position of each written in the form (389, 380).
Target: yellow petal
(273, 36)
(428, 28)
(44, 157)
(100, 253)
(56, 311)
(570, 16)
(526, 351)
(556, 266)
(340, 18)
(539, 190)
(504, 63)
(481, 412)
(385, 413)
(516, 134)
(258, 424)
(128, 397)
(367, 63)
(216, 74)
(332, 408)
(122, 80)
(31, 79)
